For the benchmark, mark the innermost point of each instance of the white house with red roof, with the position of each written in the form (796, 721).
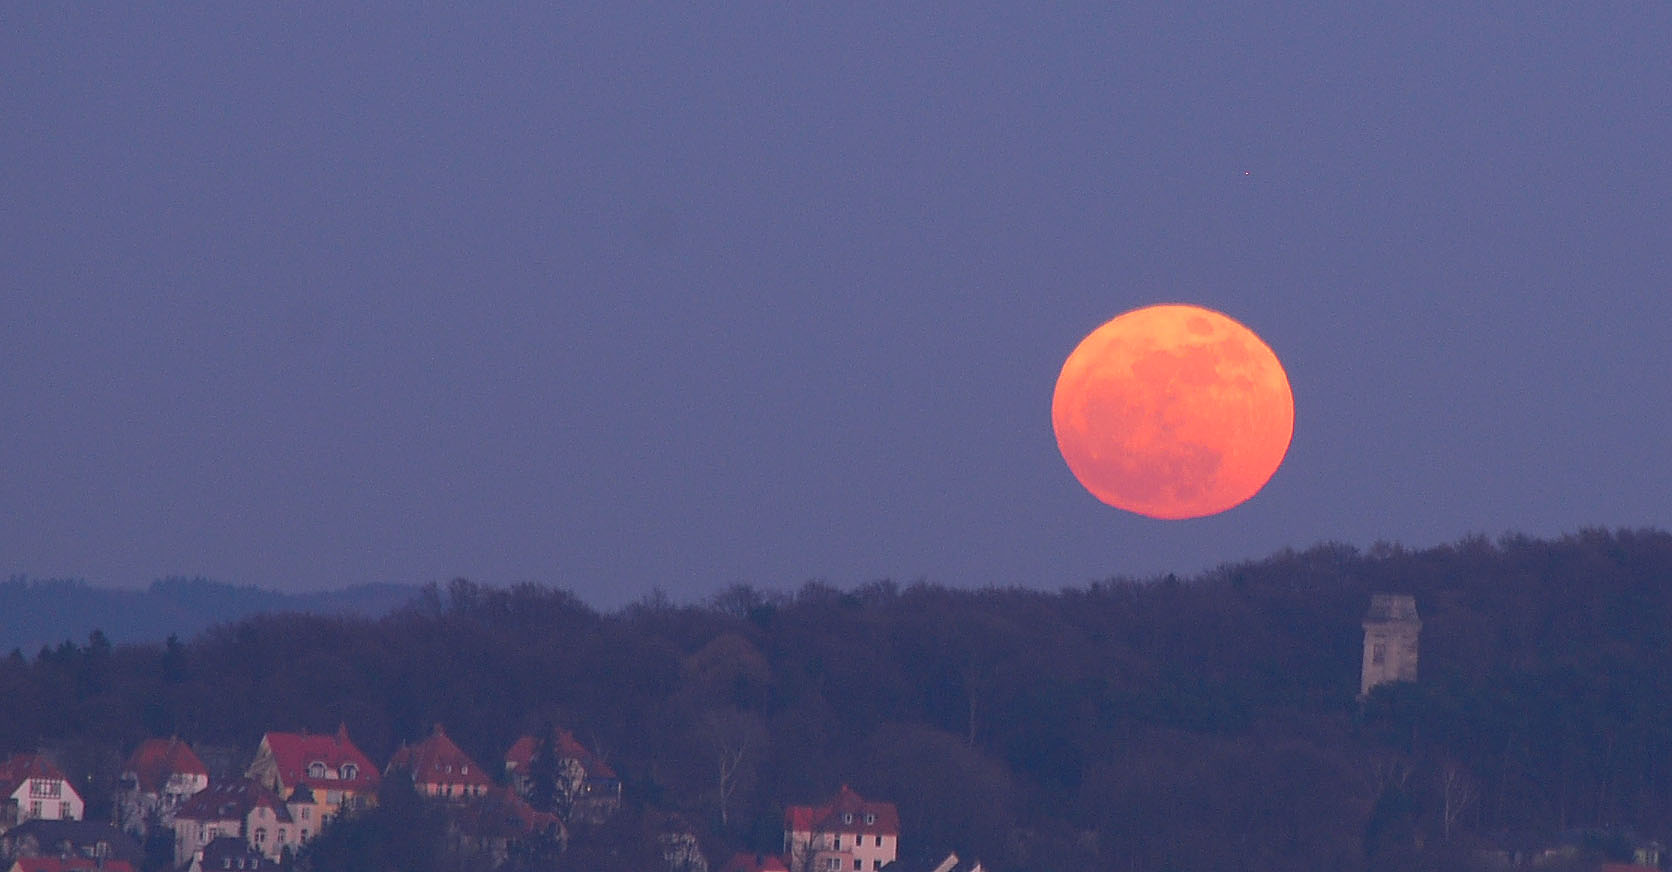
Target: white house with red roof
(585, 782)
(33, 789)
(439, 768)
(337, 773)
(159, 776)
(847, 834)
(241, 808)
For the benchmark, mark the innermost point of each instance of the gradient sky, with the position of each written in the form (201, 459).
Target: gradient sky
(618, 296)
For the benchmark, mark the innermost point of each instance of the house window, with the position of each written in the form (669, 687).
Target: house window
(305, 812)
(870, 817)
(316, 769)
(64, 811)
(876, 864)
(847, 817)
(879, 841)
(260, 836)
(35, 808)
(834, 864)
(350, 771)
(836, 842)
(858, 864)
(1378, 653)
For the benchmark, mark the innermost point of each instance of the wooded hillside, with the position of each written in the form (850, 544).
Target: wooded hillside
(1205, 723)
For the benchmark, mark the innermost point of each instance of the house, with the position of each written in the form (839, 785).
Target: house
(33, 789)
(586, 786)
(230, 853)
(438, 768)
(70, 864)
(499, 821)
(847, 833)
(681, 848)
(88, 840)
(746, 862)
(246, 810)
(337, 773)
(159, 776)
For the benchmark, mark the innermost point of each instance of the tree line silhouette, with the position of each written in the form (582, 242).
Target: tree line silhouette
(1203, 723)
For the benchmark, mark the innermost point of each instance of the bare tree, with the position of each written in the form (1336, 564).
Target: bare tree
(1458, 791)
(735, 738)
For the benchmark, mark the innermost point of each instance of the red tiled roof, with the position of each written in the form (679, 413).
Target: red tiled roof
(880, 818)
(567, 748)
(232, 801)
(436, 760)
(22, 767)
(503, 814)
(746, 862)
(155, 760)
(294, 752)
(71, 864)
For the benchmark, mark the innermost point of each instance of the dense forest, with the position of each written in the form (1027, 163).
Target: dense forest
(1162, 724)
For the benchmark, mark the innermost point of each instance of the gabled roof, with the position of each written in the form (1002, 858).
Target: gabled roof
(746, 862)
(846, 812)
(294, 752)
(437, 760)
(232, 801)
(72, 864)
(59, 836)
(22, 767)
(223, 848)
(504, 814)
(156, 760)
(567, 748)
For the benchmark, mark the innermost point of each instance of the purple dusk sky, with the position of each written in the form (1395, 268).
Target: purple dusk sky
(635, 296)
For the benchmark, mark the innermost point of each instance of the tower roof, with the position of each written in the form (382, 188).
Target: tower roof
(1386, 608)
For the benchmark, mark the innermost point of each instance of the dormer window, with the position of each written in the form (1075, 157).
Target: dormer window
(316, 769)
(847, 817)
(350, 771)
(870, 818)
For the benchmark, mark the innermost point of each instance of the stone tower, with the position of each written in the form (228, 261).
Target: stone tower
(1390, 640)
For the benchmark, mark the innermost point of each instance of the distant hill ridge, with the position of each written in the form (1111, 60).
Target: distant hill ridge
(37, 612)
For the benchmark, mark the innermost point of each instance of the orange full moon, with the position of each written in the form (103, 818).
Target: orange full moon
(1173, 412)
